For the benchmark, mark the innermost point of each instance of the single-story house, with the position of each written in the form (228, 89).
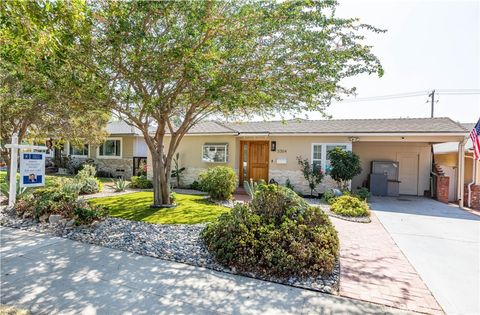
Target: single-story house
(446, 157)
(120, 155)
(269, 150)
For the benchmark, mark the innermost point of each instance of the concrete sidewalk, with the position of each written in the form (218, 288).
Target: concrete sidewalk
(51, 275)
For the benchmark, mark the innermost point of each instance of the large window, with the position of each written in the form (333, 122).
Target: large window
(78, 151)
(215, 152)
(320, 154)
(111, 148)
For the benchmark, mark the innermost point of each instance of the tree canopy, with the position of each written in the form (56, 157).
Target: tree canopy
(43, 93)
(169, 64)
(164, 65)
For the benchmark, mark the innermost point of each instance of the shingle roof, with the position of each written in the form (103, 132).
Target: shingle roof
(398, 125)
(120, 127)
(210, 127)
(301, 126)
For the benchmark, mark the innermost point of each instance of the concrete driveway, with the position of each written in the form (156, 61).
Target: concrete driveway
(442, 243)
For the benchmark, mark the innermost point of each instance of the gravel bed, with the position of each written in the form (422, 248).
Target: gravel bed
(174, 242)
(326, 208)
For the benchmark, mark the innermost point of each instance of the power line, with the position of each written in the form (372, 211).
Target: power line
(412, 94)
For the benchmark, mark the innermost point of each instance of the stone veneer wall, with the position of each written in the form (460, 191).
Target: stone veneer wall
(112, 165)
(191, 174)
(299, 182)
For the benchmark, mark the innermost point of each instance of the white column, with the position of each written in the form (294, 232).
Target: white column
(461, 172)
(13, 171)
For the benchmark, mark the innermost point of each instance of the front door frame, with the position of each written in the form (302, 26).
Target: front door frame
(242, 142)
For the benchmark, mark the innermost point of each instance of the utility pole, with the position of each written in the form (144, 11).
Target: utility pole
(432, 99)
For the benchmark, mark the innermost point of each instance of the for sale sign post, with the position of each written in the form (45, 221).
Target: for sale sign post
(32, 169)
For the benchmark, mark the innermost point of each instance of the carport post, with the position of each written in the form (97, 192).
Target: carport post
(461, 171)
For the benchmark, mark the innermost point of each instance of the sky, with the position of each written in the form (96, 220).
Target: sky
(428, 45)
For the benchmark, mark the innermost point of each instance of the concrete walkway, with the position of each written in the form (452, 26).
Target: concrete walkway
(374, 269)
(442, 242)
(51, 275)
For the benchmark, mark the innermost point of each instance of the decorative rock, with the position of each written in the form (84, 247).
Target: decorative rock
(177, 242)
(54, 218)
(43, 218)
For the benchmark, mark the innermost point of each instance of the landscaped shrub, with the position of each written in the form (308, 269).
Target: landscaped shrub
(251, 186)
(278, 234)
(363, 193)
(90, 185)
(195, 185)
(350, 206)
(345, 166)
(329, 196)
(62, 201)
(219, 182)
(141, 182)
(312, 173)
(87, 213)
(87, 181)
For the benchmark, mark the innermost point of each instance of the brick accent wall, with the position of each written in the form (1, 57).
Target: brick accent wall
(475, 196)
(443, 183)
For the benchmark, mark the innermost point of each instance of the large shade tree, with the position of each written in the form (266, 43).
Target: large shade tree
(43, 93)
(166, 65)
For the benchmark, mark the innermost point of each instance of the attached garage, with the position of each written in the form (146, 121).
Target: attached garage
(414, 159)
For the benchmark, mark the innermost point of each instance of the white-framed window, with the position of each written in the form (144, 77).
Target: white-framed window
(215, 152)
(110, 149)
(78, 150)
(320, 154)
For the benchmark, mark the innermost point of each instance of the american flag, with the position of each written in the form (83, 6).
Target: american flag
(475, 136)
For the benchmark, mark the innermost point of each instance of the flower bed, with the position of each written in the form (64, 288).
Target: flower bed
(326, 208)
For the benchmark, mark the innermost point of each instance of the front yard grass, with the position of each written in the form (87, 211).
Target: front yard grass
(50, 180)
(190, 209)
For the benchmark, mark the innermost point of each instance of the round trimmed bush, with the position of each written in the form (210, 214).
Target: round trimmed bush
(350, 206)
(219, 182)
(277, 234)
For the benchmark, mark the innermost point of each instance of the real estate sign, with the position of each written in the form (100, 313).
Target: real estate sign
(32, 169)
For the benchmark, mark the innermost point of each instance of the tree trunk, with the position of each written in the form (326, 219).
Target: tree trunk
(161, 183)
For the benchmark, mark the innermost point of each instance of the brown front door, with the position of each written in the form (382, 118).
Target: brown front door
(254, 156)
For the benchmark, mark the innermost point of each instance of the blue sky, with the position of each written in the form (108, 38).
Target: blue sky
(429, 45)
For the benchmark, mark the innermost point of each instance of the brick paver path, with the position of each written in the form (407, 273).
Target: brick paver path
(374, 269)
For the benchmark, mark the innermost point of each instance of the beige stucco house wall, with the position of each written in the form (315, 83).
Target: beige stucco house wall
(412, 147)
(283, 163)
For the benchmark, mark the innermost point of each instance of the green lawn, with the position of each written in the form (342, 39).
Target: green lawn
(190, 209)
(51, 179)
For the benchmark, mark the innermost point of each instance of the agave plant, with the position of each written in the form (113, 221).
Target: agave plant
(5, 189)
(119, 185)
(251, 186)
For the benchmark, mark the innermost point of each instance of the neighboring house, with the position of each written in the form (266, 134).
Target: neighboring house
(269, 150)
(120, 155)
(446, 157)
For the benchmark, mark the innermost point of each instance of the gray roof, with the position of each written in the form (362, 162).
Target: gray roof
(340, 126)
(301, 126)
(119, 127)
(209, 127)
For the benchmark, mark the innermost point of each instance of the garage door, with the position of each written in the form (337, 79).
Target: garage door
(408, 173)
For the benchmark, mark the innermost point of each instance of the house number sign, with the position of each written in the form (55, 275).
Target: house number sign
(282, 151)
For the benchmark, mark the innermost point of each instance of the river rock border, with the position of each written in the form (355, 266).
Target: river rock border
(174, 242)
